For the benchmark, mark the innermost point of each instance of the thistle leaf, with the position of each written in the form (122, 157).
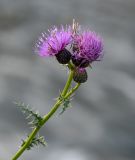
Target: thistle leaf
(66, 103)
(33, 117)
(36, 141)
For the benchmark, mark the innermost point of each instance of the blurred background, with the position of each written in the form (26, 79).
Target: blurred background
(101, 123)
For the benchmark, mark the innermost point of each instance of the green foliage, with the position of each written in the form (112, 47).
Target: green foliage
(36, 141)
(34, 118)
(66, 103)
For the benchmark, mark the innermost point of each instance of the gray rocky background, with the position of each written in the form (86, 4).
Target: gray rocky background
(101, 123)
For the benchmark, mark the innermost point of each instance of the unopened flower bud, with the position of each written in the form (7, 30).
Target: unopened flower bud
(80, 62)
(80, 75)
(63, 56)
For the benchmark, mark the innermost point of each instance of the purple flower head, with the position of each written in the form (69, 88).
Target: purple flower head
(54, 42)
(88, 47)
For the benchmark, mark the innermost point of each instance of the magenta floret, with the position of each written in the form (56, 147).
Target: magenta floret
(54, 42)
(88, 46)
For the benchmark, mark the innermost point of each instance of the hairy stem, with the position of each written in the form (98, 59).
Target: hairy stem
(65, 94)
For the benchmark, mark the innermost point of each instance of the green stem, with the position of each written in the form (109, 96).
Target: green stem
(70, 77)
(72, 90)
(46, 117)
(58, 103)
(26, 144)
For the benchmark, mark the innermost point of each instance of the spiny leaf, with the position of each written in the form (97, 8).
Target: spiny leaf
(36, 141)
(33, 117)
(66, 103)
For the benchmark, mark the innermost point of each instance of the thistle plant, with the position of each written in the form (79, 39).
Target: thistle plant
(74, 48)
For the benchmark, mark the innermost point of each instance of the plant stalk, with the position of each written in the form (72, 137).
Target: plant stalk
(64, 94)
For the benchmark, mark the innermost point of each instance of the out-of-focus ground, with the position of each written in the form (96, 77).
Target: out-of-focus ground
(101, 123)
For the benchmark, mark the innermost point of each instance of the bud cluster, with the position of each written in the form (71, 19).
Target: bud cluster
(71, 44)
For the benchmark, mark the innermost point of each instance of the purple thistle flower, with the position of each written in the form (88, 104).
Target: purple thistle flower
(56, 41)
(87, 48)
